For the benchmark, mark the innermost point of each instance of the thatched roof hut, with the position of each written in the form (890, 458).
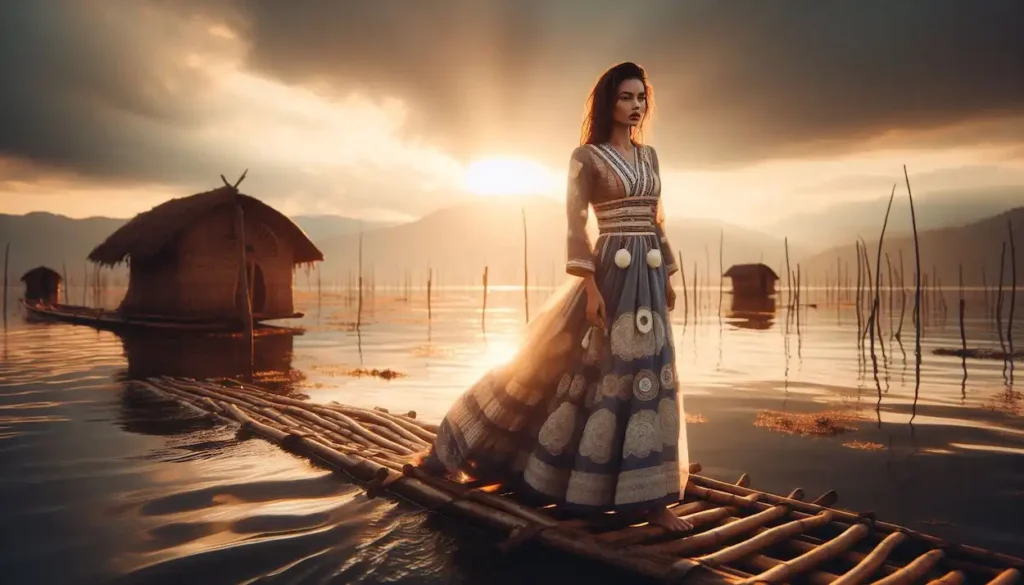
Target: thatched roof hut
(752, 280)
(42, 285)
(184, 260)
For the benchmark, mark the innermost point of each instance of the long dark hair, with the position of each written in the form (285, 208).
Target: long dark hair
(597, 124)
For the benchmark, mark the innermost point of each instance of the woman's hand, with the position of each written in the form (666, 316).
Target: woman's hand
(670, 295)
(596, 312)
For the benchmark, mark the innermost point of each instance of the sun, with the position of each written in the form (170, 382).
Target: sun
(508, 176)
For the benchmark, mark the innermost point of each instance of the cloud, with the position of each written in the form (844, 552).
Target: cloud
(120, 93)
(375, 108)
(735, 81)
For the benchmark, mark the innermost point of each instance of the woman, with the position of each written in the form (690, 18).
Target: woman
(587, 414)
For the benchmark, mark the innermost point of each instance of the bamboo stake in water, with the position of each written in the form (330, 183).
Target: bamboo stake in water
(7, 259)
(244, 300)
(526, 271)
(878, 271)
(963, 333)
(917, 285)
(999, 300)
(696, 297)
(483, 311)
(430, 286)
(359, 277)
(789, 275)
(1013, 292)
(721, 269)
(686, 296)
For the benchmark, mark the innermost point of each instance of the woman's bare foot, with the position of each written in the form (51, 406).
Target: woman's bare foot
(666, 519)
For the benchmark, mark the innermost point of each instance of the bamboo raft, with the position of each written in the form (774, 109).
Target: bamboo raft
(741, 535)
(115, 321)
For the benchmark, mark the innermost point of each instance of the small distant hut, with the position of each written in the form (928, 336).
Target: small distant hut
(184, 259)
(43, 285)
(752, 280)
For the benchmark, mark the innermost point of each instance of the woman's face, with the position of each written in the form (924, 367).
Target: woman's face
(630, 103)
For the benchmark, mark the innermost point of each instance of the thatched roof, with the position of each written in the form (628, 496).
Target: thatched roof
(40, 271)
(748, 270)
(147, 233)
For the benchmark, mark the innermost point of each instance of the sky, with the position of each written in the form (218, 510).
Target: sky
(388, 110)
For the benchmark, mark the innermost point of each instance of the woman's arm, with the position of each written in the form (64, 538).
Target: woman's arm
(667, 255)
(580, 261)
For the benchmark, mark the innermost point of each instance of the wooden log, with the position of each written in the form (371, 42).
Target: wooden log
(302, 409)
(765, 539)
(743, 481)
(1007, 577)
(760, 563)
(796, 494)
(716, 536)
(871, 562)
(696, 513)
(950, 578)
(787, 570)
(844, 517)
(915, 569)
(721, 497)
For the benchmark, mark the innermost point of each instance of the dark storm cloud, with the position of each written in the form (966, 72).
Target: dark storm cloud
(86, 88)
(736, 80)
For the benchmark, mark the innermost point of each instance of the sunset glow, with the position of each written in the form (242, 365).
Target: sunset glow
(509, 176)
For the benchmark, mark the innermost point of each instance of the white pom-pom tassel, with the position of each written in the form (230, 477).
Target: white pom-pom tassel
(586, 338)
(622, 258)
(654, 258)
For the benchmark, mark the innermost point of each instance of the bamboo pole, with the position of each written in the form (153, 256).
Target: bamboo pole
(870, 563)
(717, 536)
(696, 297)
(526, 271)
(244, 300)
(359, 281)
(999, 300)
(915, 570)
(873, 319)
(789, 275)
(788, 570)
(64, 271)
(764, 540)
(7, 259)
(1007, 577)
(917, 284)
(963, 333)
(721, 270)
(430, 286)
(950, 578)
(686, 296)
(483, 310)
(1013, 292)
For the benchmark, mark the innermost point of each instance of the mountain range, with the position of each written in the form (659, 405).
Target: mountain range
(456, 243)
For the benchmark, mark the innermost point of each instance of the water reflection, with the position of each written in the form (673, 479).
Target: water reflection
(751, 313)
(212, 356)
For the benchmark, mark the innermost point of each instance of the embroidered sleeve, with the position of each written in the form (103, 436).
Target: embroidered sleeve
(579, 250)
(671, 266)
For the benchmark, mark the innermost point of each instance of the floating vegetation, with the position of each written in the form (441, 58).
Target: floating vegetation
(695, 419)
(386, 373)
(292, 376)
(828, 423)
(864, 445)
(981, 353)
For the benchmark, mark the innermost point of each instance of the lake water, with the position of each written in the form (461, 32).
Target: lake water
(103, 484)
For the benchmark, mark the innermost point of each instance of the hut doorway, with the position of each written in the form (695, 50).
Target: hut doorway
(257, 288)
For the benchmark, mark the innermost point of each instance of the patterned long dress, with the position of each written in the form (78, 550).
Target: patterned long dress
(585, 417)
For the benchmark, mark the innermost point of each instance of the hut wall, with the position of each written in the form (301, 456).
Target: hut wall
(207, 276)
(152, 288)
